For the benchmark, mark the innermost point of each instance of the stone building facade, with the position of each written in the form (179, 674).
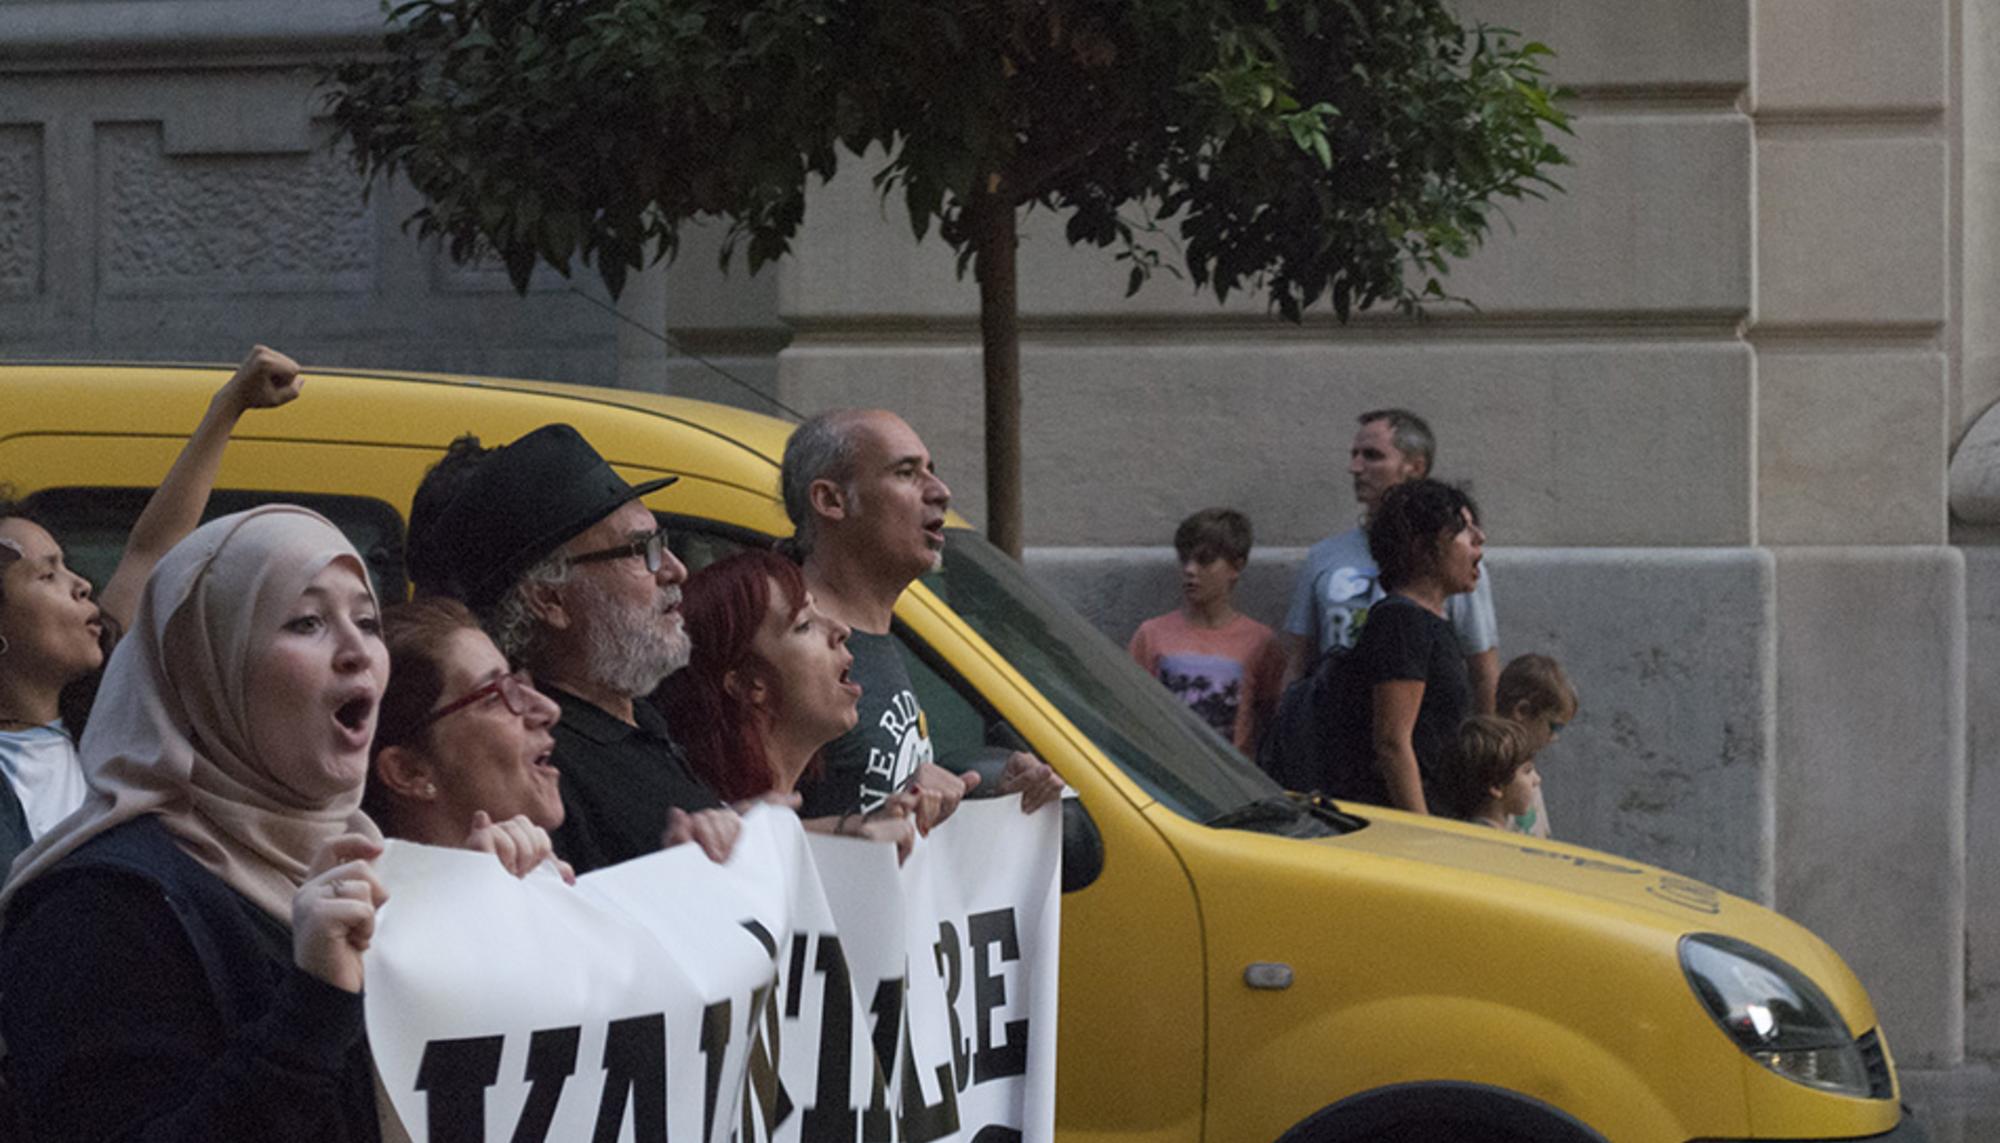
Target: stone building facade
(1708, 398)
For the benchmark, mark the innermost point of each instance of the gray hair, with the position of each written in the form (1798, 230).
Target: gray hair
(823, 447)
(1409, 432)
(512, 623)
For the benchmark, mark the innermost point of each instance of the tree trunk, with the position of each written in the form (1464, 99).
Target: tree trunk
(1000, 342)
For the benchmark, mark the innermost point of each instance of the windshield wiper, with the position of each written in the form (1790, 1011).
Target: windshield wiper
(1292, 815)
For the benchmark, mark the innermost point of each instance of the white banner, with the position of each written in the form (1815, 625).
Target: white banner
(808, 991)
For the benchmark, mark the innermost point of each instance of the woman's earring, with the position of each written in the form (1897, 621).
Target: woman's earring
(430, 790)
(3, 644)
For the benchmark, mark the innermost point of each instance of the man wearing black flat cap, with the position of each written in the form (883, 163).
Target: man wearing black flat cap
(572, 577)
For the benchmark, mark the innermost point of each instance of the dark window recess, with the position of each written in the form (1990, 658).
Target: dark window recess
(1880, 1086)
(91, 524)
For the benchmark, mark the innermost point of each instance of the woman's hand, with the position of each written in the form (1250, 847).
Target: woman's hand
(265, 380)
(333, 913)
(901, 831)
(895, 821)
(938, 792)
(520, 844)
(713, 830)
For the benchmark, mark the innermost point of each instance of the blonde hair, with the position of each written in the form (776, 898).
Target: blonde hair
(1535, 685)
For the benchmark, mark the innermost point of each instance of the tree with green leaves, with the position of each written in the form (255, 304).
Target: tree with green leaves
(1337, 150)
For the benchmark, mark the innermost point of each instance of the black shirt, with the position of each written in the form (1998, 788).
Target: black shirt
(880, 753)
(618, 781)
(147, 999)
(1402, 640)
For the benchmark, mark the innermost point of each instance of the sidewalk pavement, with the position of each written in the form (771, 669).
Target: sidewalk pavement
(1958, 1105)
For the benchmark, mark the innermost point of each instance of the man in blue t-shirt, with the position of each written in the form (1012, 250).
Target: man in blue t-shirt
(1337, 583)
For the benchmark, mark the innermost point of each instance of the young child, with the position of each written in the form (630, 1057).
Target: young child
(1224, 664)
(1491, 779)
(1534, 693)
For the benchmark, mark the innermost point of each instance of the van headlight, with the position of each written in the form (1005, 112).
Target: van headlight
(1774, 1013)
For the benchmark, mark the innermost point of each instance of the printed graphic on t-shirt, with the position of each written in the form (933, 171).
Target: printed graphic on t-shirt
(1210, 684)
(900, 744)
(1345, 596)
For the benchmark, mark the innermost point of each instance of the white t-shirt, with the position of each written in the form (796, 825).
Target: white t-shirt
(1337, 586)
(41, 764)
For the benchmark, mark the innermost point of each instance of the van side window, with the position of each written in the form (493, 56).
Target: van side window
(961, 726)
(92, 523)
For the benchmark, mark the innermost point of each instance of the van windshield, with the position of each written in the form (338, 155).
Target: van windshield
(1136, 722)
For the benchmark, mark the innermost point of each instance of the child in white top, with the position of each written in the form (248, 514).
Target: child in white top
(1535, 694)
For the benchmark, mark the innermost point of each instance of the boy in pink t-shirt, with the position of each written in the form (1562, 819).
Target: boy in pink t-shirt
(1224, 664)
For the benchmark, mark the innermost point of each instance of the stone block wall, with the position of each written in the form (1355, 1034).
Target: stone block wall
(168, 192)
(1672, 651)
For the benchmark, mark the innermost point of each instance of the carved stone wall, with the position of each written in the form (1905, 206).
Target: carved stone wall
(168, 192)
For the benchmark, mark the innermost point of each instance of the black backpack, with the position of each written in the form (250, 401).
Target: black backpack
(1299, 747)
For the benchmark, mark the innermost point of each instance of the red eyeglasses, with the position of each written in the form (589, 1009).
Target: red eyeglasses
(513, 690)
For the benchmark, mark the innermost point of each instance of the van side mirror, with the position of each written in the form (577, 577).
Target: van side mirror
(1082, 847)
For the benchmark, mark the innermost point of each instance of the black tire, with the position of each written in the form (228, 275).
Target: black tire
(1440, 1113)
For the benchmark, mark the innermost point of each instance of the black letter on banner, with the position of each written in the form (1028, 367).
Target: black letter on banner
(829, 1119)
(767, 1089)
(714, 1045)
(796, 977)
(635, 1066)
(888, 1012)
(989, 991)
(454, 1075)
(997, 1133)
(764, 938)
(924, 1122)
(951, 965)
(551, 1061)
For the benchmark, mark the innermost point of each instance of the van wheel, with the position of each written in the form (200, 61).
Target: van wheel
(1443, 1112)
(1448, 1131)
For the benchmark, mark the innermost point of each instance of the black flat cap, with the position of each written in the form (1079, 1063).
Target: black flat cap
(525, 500)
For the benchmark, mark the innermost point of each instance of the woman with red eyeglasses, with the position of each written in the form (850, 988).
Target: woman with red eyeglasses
(461, 751)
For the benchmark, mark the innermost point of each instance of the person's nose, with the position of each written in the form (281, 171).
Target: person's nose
(80, 588)
(937, 491)
(350, 651)
(1354, 464)
(542, 710)
(838, 631)
(672, 570)
(1189, 568)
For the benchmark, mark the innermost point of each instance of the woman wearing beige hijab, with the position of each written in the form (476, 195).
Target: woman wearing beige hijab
(181, 957)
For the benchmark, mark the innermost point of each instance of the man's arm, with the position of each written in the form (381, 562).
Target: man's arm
(1483, 669)
(1297, 650)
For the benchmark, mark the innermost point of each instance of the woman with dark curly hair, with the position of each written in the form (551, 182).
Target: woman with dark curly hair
(1405, 689)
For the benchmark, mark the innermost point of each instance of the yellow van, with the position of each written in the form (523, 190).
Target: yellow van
(1238, 965)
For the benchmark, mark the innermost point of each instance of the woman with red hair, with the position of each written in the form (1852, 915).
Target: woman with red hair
(766, 687)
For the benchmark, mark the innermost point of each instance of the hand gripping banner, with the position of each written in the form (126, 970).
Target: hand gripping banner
(808, 990)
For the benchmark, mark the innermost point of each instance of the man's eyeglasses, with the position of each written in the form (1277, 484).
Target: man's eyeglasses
(653, 549)
(513, 690)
